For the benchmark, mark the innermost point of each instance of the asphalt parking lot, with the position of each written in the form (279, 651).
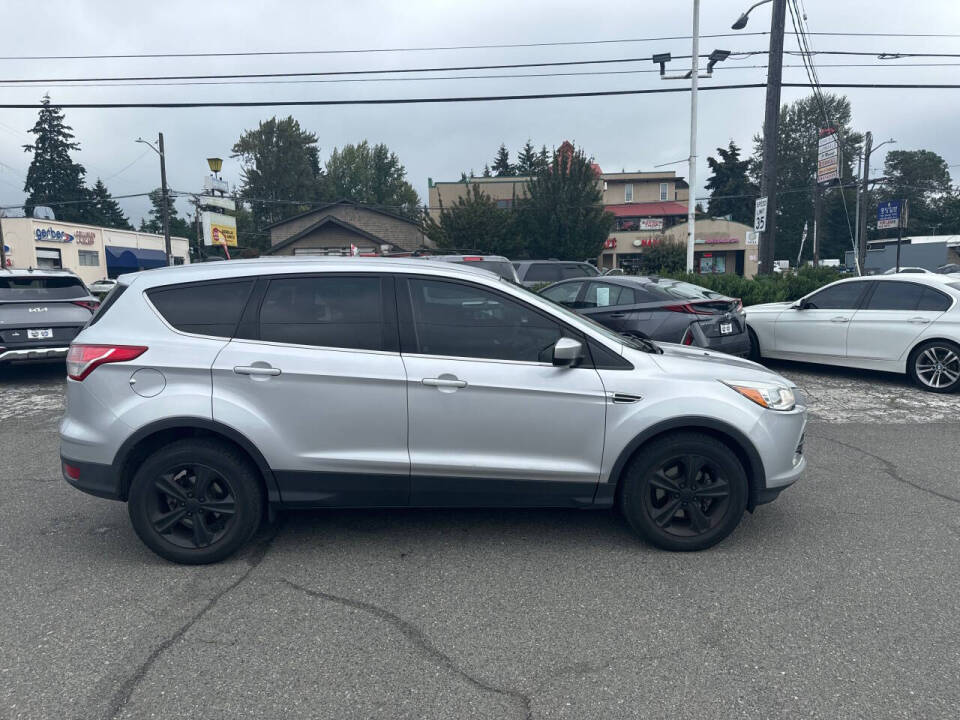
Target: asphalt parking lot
(840, 600)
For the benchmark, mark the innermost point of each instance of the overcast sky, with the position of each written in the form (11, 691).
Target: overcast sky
(440, 141)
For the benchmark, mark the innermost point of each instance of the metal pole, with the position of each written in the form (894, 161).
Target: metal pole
(3, 252)
(899, 230)
(817, 212)
(692, 172)
(771, 129)
(862, 218)
(856, 219)
(166, 207)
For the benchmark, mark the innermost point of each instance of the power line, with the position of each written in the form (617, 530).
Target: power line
(502, 76)
(467, 99)
(438, 48)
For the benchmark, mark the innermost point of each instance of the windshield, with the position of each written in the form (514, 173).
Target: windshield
(28, 287)
(627, 340)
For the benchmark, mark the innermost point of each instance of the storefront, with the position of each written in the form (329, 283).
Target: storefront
(91, 252)
(720, 247)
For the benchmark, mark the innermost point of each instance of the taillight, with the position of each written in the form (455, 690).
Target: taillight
(738, 305)
(687, 338)
(90, 305)
(84, 359)
(472, 258)
(689, 308)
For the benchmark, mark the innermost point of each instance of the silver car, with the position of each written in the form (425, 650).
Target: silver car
(232, 388)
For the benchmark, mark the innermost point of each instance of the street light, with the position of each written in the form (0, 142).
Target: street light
(163, 193)
(741, 22)
(215, 164)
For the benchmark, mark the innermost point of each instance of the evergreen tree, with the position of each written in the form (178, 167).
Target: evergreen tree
(178, 226)
(53, 176)
(543, 159)
(562, 215)
(730, 183)
(475, 223)
(486, 171)
(921, 177)
(372, 174)
(104, 210)
(501, 163)
(527, 162)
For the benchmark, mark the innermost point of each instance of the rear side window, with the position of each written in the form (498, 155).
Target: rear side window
(895, 296)
(933, 300)
(210, 308)
(341, 312)
(31, 287)
(543, 272)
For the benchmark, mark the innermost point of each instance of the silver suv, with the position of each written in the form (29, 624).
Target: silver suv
(206, 395)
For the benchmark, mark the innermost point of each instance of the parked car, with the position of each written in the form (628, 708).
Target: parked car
(538, 272)
(918, 270)
(328, 382)
(659, 309)
(898, 323)
(41, 311)
(949, 269)
(102, 287)
(494, 263)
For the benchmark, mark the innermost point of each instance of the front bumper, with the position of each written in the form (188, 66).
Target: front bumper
(92, 478)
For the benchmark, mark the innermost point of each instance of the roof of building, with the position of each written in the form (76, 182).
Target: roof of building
(343, 201)
(648, 209)
(641, 176)
(950, 240)
(330, 220)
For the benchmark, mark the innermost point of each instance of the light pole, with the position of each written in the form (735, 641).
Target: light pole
(163, 193)
(771, 126)
(694, 75)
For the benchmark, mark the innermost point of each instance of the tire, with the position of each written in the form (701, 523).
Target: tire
(659, 500)
(195, 502)
(935, 366)
(754, 353)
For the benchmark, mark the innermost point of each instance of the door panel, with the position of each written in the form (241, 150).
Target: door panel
(820, 328)
(894, 316)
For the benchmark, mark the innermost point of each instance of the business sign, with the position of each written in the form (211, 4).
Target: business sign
(51, 235)
(753, 238)
(888, 215)
(609, 243)
(216, 201)
(85, 237)
(651, 223)
(717, 241)
(219, 229)
(760, 215)
(828, 156)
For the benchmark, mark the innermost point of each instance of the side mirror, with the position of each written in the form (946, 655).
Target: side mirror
(799, 305)
(567, 352)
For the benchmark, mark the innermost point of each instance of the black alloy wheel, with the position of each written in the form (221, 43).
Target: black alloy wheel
(935, 366)
(195, 501)
(684, 491)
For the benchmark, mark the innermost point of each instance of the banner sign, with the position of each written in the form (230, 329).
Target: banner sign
(828, 156)
(219, 229)
(651, 223)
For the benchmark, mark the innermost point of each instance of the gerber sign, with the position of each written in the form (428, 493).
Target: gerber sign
(51, 235)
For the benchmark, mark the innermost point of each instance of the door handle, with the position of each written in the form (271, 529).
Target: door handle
(444, 382)
(618, 315)
(254, 370)
(839, 319)
(919, 320)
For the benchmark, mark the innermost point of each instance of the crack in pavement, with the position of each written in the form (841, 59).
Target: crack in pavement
(888, 467)
(420, 642)
(122, 696)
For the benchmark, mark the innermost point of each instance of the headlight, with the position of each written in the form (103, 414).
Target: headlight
(769, 395)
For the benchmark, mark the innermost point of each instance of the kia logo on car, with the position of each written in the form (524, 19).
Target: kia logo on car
(37, 309)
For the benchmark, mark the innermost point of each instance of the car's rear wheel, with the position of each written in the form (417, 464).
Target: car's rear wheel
(685, 491)
(195, 501)
(935, 366)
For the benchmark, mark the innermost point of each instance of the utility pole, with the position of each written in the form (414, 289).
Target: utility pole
(771, 130)
(862, 203)
(3, 250)
(901, 221)
(692, 170)
(817, 220)
(166, 206)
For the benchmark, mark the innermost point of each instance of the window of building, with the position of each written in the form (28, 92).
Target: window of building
(628, 192)
(342, 312)
(205, 309)
(504, 204)
(459, 320)
(49, 258)
(663, 191)
(89, 258)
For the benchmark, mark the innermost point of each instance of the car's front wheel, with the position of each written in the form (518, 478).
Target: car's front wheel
(684, 491)
(935, 366)
(195, 501)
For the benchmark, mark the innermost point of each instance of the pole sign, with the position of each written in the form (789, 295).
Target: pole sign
(888, 215)
(828, 156)
(760, 215)
(219, 229)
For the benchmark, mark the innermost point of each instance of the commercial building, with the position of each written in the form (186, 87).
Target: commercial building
(927, 251)
(720, 246)
(90, 251)
(338, 227)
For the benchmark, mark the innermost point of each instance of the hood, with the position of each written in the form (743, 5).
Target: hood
(768, 307)
(679, 360)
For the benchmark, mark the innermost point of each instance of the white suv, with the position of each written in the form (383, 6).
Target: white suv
(203, 394)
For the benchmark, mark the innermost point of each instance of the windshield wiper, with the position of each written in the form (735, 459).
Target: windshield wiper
(644, 343)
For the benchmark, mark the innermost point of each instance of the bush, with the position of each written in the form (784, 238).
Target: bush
(764, 288)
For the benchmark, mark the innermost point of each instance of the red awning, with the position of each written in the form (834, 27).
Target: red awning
(648, 209)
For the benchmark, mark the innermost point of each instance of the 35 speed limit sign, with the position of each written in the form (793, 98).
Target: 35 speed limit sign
(760, 215)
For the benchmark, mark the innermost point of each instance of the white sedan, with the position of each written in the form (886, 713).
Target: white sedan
(897, 323)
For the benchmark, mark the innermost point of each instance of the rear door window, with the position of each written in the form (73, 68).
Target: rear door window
(38, 287)
(209, 308)
(889, 295)
(564, 293)
(326, 311)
